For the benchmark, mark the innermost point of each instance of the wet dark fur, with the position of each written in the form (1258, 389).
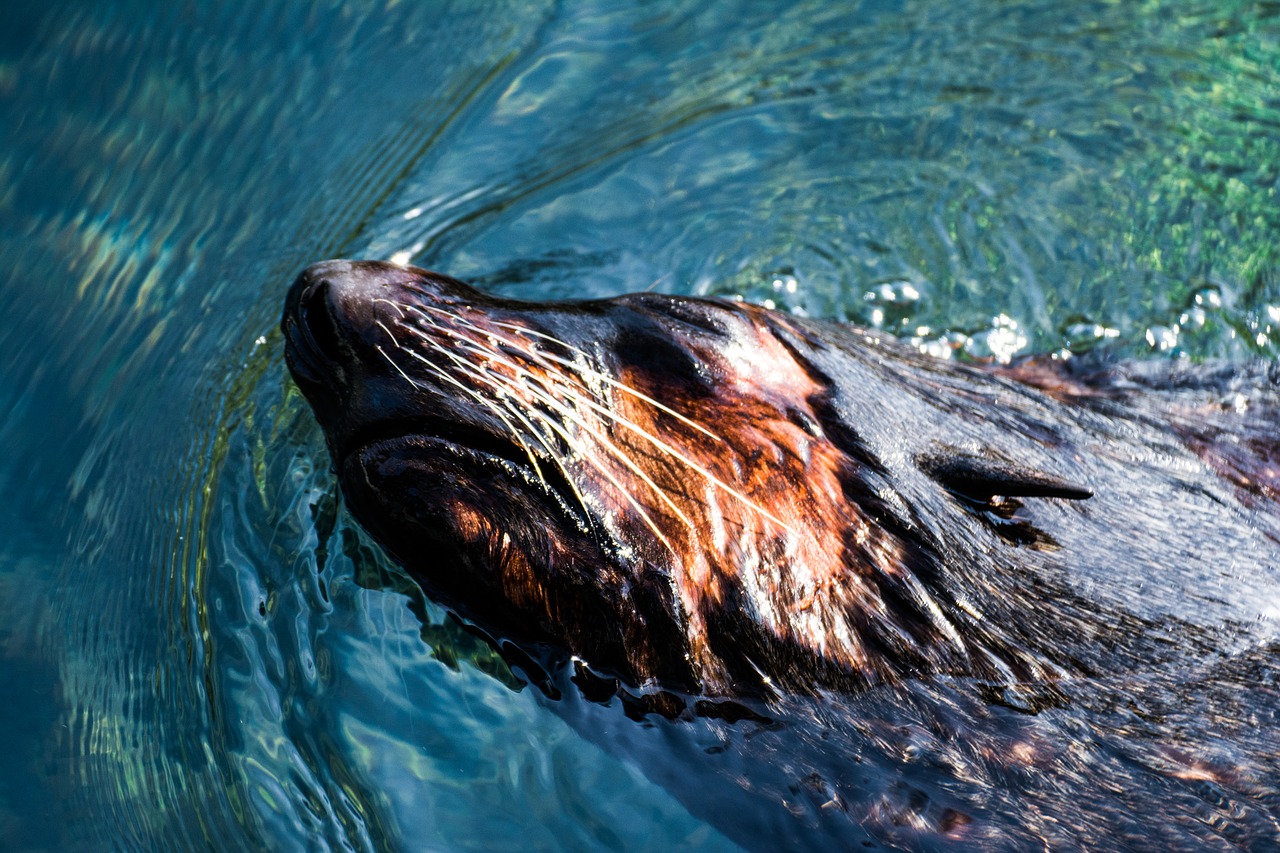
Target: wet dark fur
(816, 528)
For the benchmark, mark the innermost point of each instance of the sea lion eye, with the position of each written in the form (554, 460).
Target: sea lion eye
(703, 316)
(700, 316)
(663, 358)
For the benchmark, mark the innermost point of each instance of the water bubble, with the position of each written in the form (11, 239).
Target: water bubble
(1209, 298)
(1005, 340)
(1193, 318)
(785, 284)
(1086, 332)
(943, 346)
(1162, 338)
(893, 291)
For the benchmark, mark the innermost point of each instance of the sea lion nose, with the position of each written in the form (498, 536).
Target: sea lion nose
(314, 309)
(324, 275)
(340, 314)
(313, 320)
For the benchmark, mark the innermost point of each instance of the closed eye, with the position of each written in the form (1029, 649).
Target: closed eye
(703, 316)
(669, 363)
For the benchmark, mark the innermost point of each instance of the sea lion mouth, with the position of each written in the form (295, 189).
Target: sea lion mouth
(437, 436)
(433, 432)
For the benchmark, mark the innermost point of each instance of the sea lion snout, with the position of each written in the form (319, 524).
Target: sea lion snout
(329, 307)
(309, 325)
(343, 324)
(333, 306)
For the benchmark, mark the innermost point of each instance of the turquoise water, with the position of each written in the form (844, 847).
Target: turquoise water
(197, 647)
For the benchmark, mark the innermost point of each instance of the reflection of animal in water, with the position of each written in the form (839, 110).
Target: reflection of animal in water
(910, 597)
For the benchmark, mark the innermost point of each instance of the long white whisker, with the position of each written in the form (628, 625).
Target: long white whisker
(497, 407)
(389, 335)
(569, 439)
(568, 413)
(396, 305)
(580, 369)
(553, 387)
(602, 377)
(622, 489)
(643, 433)
(537, 470)
(493, 406)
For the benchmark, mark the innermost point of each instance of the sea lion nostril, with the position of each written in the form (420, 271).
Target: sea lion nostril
(316, 314)
(314, 295)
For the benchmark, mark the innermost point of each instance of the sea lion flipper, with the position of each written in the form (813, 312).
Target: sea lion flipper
(982, 478)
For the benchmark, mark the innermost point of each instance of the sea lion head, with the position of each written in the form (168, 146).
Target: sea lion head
(655, 485)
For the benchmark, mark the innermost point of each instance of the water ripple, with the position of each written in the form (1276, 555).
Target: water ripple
(207, 653)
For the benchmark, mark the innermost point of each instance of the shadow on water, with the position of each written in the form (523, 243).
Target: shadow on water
(198, 648)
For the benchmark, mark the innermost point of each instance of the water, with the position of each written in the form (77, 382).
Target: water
(197, 647)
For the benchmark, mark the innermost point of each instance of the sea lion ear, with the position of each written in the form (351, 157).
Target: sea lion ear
(981, 478)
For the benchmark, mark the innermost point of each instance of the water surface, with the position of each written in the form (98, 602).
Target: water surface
(197, 647)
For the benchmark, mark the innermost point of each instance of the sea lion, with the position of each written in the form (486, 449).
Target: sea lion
(719, 510)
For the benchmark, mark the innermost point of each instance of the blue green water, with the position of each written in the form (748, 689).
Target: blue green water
(198, 649)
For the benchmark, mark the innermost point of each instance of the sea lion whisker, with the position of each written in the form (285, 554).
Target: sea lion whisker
(382, 326)
(622, 489)
(604, 442)
(537, 470)
(494, 407)
(609, 413)
(605, 378)
(396, 305)
(673, 453)
(506, 403)
(523, 417)
(569, 413)
(571, 441)
(545, 441)
(391, 361)
(581, 370)
(657, 281)
(643, 433)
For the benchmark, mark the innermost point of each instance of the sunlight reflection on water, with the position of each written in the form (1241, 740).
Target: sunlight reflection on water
(201, 649)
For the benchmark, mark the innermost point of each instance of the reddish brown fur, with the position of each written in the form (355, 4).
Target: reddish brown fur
(792, 536)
